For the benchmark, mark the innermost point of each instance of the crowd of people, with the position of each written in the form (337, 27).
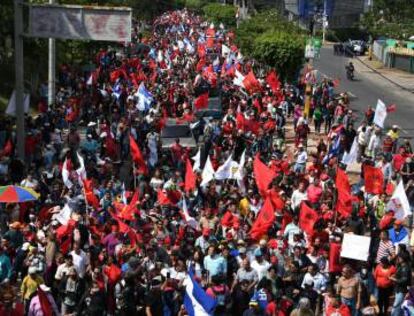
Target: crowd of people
(248, 220)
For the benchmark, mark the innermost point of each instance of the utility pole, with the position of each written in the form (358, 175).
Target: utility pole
(19, 77)
(52, 69)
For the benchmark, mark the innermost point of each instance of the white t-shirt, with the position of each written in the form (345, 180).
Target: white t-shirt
(80, 262)
(298, 197)
(261, 268)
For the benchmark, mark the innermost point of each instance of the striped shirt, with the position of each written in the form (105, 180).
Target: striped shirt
(385, 249)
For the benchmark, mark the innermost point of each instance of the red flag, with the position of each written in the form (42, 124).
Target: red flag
(8, 148)
(137, 156)
(251, 84)
(263, 221)
(201, 49)
(345, 198)
(45, 304)
(90, 197)
(201, 63)
(114, 75)
(113, 272)
(190, 177)
(163, 198)
(307, 218)
(123, 228)
(273, 81)
(228, 219)
(65, 230)
(334, 257)
(201, 102)
(276, 200)
(240, 121)
(374, 179)
(263, 175)
(287, 219)
(391, 108)
(336, 83)
(129, 210)
(65, 246)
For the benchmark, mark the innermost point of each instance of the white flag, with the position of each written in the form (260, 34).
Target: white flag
(225, 50)
(208, 172)
(81, 171)
(11, 106)
(65, 174)
(238, 80)
(351, 156)
(197, 160)
(380, 114)
(64, 215)
(225, 170)
(239, 175)
(189, 219)
(399, 202)
(123, 194)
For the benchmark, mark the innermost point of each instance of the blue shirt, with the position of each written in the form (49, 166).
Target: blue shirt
(5, 267)
(215, 265)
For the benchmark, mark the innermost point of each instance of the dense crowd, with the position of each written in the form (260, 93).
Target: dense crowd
(246, 223)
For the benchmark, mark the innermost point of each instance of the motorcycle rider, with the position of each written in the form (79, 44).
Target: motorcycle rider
(350, 70)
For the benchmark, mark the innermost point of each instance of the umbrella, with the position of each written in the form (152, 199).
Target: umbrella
(17, 194)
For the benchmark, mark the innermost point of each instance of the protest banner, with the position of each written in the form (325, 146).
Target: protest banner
(355, 247)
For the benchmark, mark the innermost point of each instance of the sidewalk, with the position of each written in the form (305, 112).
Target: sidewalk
(403, 79)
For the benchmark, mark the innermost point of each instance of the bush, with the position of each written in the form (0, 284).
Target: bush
(194, 5)
(220, 13)
(280, 50)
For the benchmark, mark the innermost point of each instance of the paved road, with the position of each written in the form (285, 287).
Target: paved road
(367, 88)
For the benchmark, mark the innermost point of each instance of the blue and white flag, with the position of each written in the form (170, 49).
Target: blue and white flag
(196, 300)
(334, 150)
(117, 89)
(145, 98)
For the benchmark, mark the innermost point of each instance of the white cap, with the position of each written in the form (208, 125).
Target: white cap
(91, 124)
(44, 288)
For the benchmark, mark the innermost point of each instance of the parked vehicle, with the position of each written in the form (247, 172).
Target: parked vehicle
(172, 131)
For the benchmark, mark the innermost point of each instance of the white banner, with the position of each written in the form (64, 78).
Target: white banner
(380, 114)
(11, 106)
(81, 23)
(355, 247)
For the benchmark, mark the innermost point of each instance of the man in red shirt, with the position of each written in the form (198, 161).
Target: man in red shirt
(177, 152)
(314, 193)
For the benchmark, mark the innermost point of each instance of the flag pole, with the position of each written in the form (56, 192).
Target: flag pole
(135, 176)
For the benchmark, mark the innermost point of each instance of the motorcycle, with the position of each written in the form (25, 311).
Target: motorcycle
(349, 73)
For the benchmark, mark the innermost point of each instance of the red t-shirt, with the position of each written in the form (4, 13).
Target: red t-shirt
(382, 275)
(343, 310)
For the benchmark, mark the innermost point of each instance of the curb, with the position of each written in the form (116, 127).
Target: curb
(383, 76)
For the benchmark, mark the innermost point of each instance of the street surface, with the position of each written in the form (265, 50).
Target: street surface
(367, 88)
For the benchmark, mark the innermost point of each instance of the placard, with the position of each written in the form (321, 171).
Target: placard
(355, 247)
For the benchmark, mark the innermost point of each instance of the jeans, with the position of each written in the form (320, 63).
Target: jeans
(299, 167)
(351, 303)
(396, 307)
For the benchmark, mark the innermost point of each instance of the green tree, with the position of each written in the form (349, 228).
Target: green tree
(391, 18)
(280, 50)
(270, 39)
